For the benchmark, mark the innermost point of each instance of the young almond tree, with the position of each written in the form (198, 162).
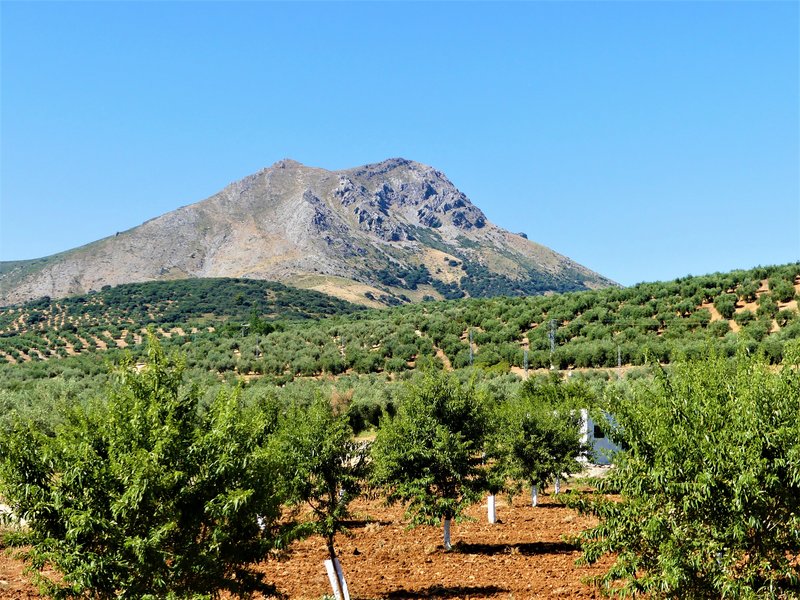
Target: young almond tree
(429, 455)
(707, 490)
(143, 494)
(536, 436)
(323, 468)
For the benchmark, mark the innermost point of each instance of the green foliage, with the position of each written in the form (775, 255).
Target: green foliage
(286, 339)
(428, 455)
(480, 282)
(719, 328)
(744, 317)
(709, 484)
(321, 465)
(403, 278)
(747, 290)
(767, 307)
(782, 288)
(785, 316)
(449, 291)
(143, 494)
(536, 435)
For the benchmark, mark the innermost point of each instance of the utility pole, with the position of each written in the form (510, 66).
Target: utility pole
(471, 353)
(525, 362)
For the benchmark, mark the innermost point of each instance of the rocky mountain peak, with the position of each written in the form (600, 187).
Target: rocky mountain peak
(415, 194)
(396, 228)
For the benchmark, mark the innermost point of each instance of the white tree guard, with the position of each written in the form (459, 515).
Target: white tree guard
(557, 486)
(447, 545)
(534, 495)
(333, 575)
(492, 509)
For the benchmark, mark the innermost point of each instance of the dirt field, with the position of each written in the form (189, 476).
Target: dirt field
(521, 557)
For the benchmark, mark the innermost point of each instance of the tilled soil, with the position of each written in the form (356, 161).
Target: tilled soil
(522, 556)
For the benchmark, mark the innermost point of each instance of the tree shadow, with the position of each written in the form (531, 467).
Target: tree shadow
(527, 549)
(359, 523)
(548, 506)
(440, 591)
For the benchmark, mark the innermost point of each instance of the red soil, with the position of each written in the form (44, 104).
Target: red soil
(522, 556)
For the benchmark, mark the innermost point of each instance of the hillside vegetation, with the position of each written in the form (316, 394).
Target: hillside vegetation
(116, 317)
(258, 328)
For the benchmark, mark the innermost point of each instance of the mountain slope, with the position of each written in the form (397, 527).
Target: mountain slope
(395, 228)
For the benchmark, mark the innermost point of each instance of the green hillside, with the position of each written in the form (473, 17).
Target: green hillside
(116, 317)
(257, 328)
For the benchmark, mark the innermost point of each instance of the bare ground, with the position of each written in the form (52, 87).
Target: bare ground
(522, 556)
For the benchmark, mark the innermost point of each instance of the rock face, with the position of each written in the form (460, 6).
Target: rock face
(395, 229)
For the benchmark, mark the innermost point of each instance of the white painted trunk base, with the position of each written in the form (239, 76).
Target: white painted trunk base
(534, 495)
(492, 509)
(447, 545)
(332, 577)
(558, 486)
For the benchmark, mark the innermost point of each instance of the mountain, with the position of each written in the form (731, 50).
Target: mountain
(382, 233)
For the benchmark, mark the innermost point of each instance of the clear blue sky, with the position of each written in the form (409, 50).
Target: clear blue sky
(645, 140)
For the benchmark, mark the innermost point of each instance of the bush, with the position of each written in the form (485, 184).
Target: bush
(782, 289)
(785, 316)
(709, 484)
(719, 328)
(748, 290)
(744, 317)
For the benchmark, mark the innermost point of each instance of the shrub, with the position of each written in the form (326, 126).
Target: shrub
(726, 305)
(719, 328)
(785, 316)
(782, 289)
(744, 317)
(748, 290)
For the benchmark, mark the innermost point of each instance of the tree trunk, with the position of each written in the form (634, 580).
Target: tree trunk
(557, 486)
(492, 512)
(447, 545)
(534, 495)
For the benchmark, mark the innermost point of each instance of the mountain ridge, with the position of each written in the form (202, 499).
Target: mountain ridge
(354, 232)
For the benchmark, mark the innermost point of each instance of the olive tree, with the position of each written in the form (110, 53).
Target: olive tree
(782, 289)
(429, 455)
(707, 491)
(143, 494)
(726, 305)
